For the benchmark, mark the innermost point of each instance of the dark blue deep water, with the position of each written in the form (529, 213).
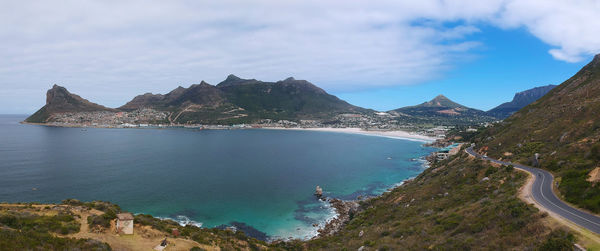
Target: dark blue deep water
(263, 178)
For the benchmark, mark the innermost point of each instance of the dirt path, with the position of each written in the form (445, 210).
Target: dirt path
(144, 237)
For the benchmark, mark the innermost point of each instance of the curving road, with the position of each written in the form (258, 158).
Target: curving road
(543, 194)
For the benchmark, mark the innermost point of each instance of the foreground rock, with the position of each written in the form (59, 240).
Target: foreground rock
(344, 210)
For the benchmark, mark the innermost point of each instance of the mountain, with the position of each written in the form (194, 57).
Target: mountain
(520, 100)
(59, 100)
(563, 130)
(237, 100)
(286, 99)
(441, 110)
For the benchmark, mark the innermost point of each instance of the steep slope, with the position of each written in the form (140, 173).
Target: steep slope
(237, 100)
(563, 130)
(198, 104)
(520, 100)
(59, 100)
(199, 94)
(450, 206)
(442, 111)
(287, 99)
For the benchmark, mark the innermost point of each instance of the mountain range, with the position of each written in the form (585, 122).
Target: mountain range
(236, 100)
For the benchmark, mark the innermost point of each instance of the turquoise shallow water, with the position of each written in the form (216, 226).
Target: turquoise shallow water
(262, 178)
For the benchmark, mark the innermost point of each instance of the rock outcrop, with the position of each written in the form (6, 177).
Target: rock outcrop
(520, 100)
(59, 100)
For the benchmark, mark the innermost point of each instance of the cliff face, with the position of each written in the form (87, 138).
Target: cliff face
(520, 100)
(59, 100)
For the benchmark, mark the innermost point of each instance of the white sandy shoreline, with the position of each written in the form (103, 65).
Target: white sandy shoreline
(388, 134)
(395, 134)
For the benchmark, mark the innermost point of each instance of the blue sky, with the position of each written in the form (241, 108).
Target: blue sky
(508, 61)
(380, 54)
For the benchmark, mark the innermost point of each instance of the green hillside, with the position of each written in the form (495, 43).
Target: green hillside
(237, 100)
(450, 206)
(563, 127)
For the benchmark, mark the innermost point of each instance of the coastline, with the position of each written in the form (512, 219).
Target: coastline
(393, 134)
(396, 134)
(345, 208)
(338, 209)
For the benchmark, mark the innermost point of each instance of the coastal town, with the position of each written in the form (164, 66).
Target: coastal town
(151, 118)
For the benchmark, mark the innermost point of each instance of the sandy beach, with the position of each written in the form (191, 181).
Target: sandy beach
(388, 134)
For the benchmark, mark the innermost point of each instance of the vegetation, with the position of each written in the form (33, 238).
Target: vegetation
(225, 239)
(457, 204)
(61, 223)
(563, 129)
(22, 229)
(450, 206)
(33, 240)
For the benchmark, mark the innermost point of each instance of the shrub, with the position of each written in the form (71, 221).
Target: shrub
(490, 170)
(558, 240)
(369, 243)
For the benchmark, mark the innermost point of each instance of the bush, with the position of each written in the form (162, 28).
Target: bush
(558, 240)
(490, 170)
(61, 223)
(369, 243)
(578, 190)
(100, 220)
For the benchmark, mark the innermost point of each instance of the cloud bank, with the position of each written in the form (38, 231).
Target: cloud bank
(131, 46)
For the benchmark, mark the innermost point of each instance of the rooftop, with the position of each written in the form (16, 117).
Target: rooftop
(125, 216)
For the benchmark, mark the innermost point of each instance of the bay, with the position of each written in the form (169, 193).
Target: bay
(264, 179)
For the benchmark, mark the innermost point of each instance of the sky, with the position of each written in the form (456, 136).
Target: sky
(380, 54)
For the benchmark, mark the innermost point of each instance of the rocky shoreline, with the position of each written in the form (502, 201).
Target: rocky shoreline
(346, 209)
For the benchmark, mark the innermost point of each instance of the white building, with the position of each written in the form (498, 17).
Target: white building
(125, 223)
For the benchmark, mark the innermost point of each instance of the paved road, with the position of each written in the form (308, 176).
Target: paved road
(543, 194)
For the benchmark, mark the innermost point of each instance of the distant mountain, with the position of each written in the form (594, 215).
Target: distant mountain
(520, 100)
(59, 100)
(559, 132)
(237, 100)
(441, 110)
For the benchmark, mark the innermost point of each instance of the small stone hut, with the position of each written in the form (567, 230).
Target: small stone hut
(125, 223)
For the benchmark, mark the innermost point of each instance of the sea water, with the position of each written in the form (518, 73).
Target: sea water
(259, 180)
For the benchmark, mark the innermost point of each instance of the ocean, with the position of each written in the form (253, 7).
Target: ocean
(259, 180)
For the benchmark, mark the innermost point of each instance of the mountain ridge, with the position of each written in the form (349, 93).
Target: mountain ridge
(520, 100)
(234, 100)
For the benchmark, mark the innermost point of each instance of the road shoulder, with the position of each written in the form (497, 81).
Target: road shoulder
(585, 237)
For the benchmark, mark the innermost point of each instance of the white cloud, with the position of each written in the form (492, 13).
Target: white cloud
(572, 26)
(116, 49)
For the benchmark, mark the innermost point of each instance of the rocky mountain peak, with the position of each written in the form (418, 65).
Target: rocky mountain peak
(57, 94)
(441, 101)
(232, 77)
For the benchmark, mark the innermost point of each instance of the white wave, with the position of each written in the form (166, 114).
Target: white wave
(183, 220)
